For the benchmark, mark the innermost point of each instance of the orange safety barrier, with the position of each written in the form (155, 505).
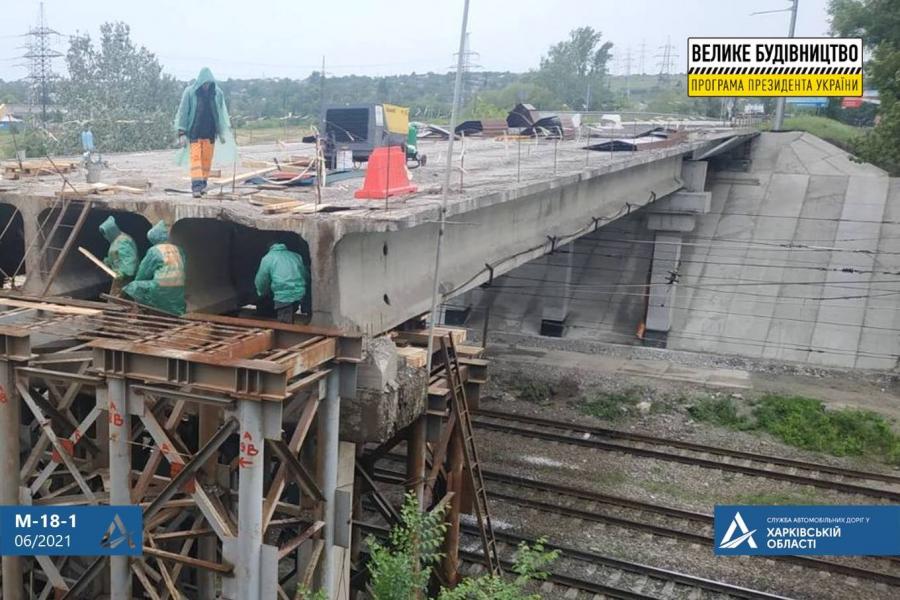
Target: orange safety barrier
(386, 175)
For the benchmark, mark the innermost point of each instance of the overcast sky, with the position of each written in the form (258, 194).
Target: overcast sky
(287, 38)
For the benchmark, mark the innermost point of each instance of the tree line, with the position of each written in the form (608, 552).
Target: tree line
(121, 91)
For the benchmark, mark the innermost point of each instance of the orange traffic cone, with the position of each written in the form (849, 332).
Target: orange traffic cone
(386, 174)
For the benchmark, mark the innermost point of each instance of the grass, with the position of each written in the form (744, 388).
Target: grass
(806, 423)
(835, 132)
(534, 391)
(610, 406)
(718, 411)
(794, 497)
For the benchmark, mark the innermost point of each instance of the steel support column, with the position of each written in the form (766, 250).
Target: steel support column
(119, 475)
(250, 500)
(329, 415)
(415, 460)
(209, 419)
(456, 460)
(10, 419)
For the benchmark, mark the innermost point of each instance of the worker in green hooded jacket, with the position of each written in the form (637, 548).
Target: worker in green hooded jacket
(201, 121)
(160, 278)
(282, 275)
(122, 256)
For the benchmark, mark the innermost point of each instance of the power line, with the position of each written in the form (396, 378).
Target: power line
(614, 333)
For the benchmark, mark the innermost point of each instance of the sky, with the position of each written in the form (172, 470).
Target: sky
(288, 38)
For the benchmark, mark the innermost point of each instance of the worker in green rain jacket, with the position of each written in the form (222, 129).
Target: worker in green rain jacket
(159, 282)
(282, 274)
(122, 256)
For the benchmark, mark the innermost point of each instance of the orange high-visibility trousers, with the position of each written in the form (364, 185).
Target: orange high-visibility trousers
(201, 163)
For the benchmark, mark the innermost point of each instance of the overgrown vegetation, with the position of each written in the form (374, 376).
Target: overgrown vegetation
(722, 411)
(400, 569)
(878, 23)
(807, 423)
(840, 134)
(611, 406)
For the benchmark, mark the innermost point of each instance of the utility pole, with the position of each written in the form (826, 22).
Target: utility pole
(445, 188)
(40, 57)
(778, 125)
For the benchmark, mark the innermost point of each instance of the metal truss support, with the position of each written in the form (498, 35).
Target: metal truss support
(250, 501)
(330, 415)
(119, 475)
(10, 419)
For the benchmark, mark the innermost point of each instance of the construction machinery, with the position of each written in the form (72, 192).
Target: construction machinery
(357, 129)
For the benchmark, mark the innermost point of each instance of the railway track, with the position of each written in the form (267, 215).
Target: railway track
(713, 457)
(697, 527)
(606, 576)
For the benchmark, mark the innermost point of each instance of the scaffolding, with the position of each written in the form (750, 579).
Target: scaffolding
(204, 421)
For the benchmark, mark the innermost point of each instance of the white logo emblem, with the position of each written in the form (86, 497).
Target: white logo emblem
(117, 527)
(746, 534)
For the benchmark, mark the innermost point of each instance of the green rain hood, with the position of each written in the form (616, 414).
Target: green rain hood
(282, 273)
(225, 153)
(122, 256)
(160, 277)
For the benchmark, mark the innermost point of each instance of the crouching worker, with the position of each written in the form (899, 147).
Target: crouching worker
(122, 256)
(159, 282)
(282, 275)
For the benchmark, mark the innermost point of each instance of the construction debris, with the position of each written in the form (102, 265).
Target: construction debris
(35, 168)
(82, 190)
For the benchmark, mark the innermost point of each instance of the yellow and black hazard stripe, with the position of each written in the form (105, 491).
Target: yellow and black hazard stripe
(775, 71)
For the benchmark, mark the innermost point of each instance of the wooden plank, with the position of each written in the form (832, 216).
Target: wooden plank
(49, 307)
(257, 164)
(267, 199)
(415, 357)
(470, 351)
(281, 207)
(419, 337)
(242, 176)
(100, 264)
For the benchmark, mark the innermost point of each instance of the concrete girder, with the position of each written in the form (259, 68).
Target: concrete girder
(381, 279)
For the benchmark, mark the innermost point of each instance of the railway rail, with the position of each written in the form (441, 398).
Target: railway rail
(624, 580)
(569, 502)
(690, 453)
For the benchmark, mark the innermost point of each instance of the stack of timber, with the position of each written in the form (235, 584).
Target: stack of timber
(35, 168)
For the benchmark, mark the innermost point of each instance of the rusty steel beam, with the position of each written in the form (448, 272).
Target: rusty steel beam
(303, 477)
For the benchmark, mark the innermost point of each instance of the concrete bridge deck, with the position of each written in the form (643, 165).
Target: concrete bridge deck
(371, 261)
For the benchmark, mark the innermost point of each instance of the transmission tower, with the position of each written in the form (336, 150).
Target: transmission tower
(468, 66)
(628, 72)
(641, 69)
(666, 58)
(40, 55)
